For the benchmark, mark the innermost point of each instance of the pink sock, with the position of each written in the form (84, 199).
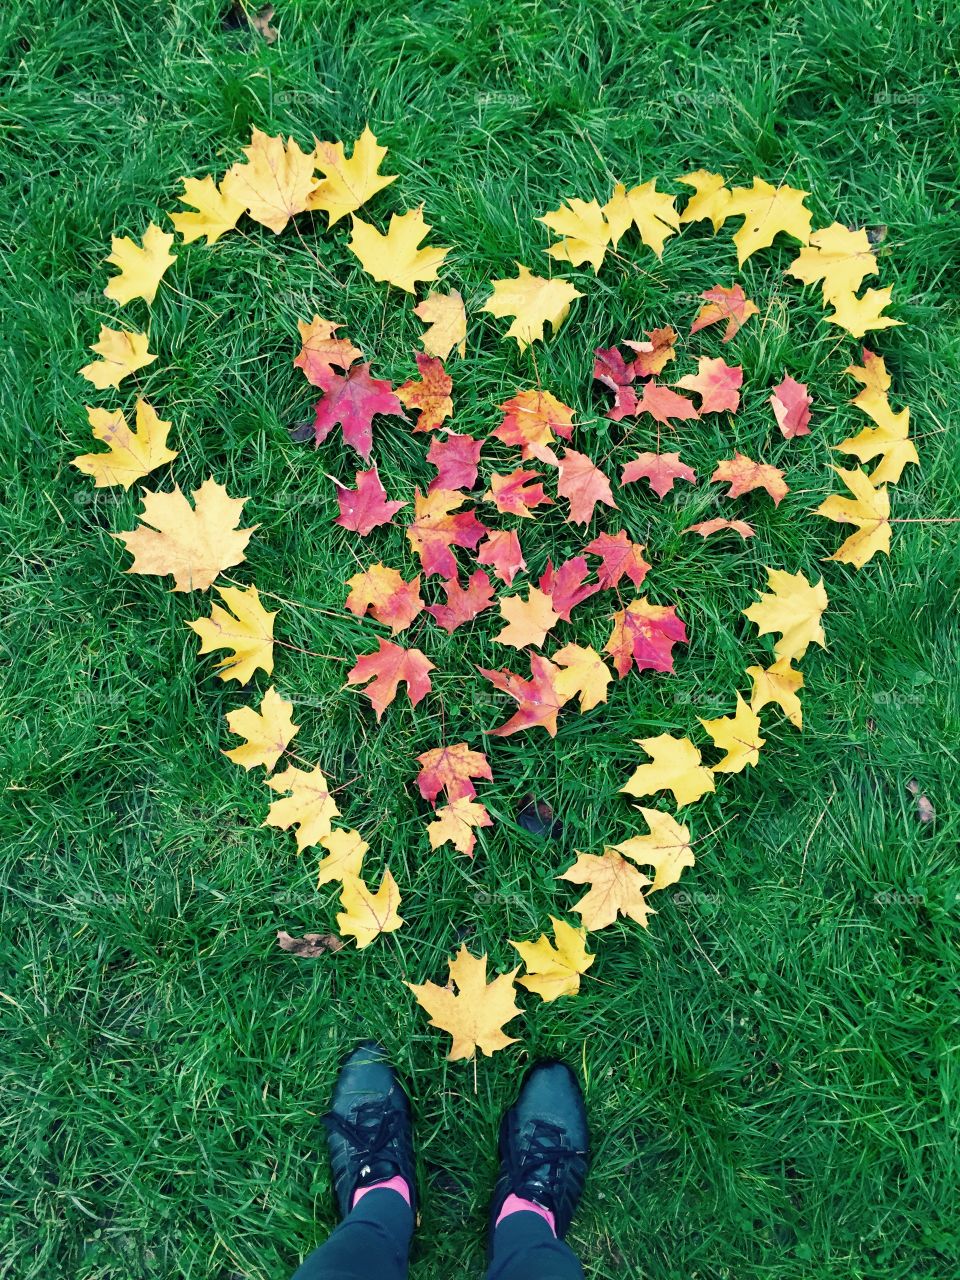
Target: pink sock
(397, 1184)
(514, 1204)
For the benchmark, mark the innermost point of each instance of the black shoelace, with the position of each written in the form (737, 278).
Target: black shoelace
(545, 1152)
(370, 1134)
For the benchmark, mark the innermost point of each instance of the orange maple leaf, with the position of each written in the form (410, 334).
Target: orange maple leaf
(743, 475)
(538, 699)
(386, 668)
(451, 769)
(383, 592)
(430, 393)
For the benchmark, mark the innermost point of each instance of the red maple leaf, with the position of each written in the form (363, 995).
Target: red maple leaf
(791, 407)
(366, 507)
(463, 603)
(610, 369)
(537, 698)
(661, 469)
(383, 592)
(430, 393)
(516, 493)
(731, 305)
(451, 769)
(435, 529)
(502, 551)
(744, 475)
(644, 634)
(565, 586)
(663, 404)
(353, 400)
(584, 484)
(456, 460)
(717, 383)
(386, 668)
(620, 557)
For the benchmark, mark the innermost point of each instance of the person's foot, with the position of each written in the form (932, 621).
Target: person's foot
(544, 1146)
(369, 1129)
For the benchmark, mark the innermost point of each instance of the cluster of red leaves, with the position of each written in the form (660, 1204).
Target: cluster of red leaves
(445, 520)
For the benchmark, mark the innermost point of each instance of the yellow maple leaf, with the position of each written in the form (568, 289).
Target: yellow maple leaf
(616, 888)
(446, 318)
(247, 630)
(585, 231)
(274, 183)
(456, 822)
(554, 967)
(652, 212)
(394, 257)
(130, 454)
(344, 856)
(585, 673)
(366, 915)
(778, 683)
(738, 735)
(890, 438)
(528, 620)
(309, 806)
(794, 608)
(767, 211)
(666, 848)
(710, 199)
(475, 1015)
(211, 211)
(859, 315)
(675, 766)
(868, 509)
(533, 301)
(841, 258)
(268, 732)
(348, 183)
(194, 544)
(120, 353)
(141, 269)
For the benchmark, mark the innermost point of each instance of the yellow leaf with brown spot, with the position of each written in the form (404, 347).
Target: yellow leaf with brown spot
(130, 455)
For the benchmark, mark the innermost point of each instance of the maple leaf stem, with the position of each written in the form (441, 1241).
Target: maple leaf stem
(310, 653)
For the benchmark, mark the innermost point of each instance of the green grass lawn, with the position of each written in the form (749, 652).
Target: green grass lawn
(771, 1069)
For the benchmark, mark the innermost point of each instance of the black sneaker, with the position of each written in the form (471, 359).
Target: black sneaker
(369, 1130)
(544, 1145)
